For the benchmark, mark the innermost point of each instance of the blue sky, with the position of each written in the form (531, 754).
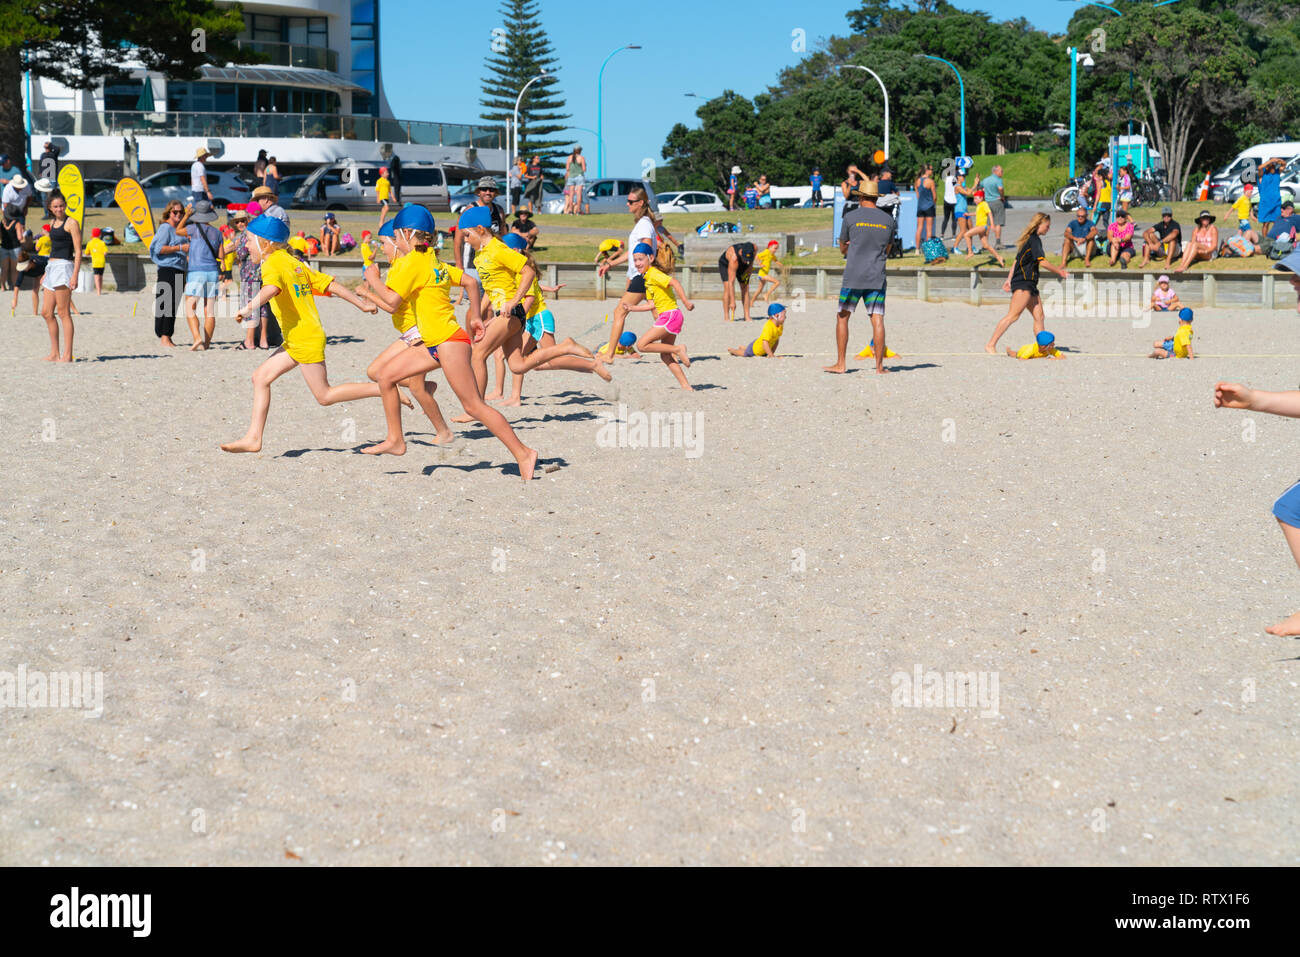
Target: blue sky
(683, 51)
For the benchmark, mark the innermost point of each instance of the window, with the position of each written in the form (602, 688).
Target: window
(603, 188)
(625, 186)
(122, 96)
(368, 175)
(415, 176)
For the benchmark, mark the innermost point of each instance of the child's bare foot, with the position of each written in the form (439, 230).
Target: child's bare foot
(196, 347)
(493, 396)
(406, 400)
(243, 445)
(599, 369)
(510, 401)
(395, 446)
(442, 438)
(837, 369)
(991, 349)
(462, 419)
(581, 349)
(1287, 627)
(1011, 352)
(679, 351)
(527, 465)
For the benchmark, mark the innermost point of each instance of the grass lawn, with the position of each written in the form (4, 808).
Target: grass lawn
(1024, 174)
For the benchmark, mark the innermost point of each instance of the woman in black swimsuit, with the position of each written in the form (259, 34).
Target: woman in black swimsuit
(734, 266)
(1022, 281)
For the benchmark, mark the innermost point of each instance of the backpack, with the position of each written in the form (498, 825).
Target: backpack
(666, 258)
(934, 250)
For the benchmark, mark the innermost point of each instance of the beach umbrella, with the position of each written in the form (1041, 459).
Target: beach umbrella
(145, 102)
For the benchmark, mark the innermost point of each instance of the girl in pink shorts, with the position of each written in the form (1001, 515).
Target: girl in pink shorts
(664, 293)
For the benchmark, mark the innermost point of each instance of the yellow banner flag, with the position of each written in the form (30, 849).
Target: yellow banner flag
(129, 195)
(73, 189)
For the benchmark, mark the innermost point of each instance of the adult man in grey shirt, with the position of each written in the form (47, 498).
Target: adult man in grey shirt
(865, 239)
(995, 194)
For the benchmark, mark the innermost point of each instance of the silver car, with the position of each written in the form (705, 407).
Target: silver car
(609, 195)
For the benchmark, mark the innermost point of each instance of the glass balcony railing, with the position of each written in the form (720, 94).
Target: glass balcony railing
(266, 125)
(292, 54)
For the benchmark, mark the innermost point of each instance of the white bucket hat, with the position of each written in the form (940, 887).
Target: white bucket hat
(18, 182)
(45, 185)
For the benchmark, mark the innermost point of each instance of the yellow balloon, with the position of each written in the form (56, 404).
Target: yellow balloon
(73, 188)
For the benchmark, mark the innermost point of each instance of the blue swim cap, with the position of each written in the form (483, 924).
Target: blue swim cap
(269, 228)
(475, 216)
(1185, 314)
(626, 339)
(776, 307)
(1045, 338)
(387, 229)
(645, 249)
(515, 241)
(414, 216)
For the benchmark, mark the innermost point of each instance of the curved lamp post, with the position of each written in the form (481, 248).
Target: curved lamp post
(854, 66)
(600, 116)
(961, 88)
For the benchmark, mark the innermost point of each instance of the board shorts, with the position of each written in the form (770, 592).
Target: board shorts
(1243, 225)
(671, 320)
(540, 324)
(742, 271)
(872, 299)
(201, 284)
(412, 336)
(1168, 346)
(1287, 508)
(1080, 248)
(58, 272)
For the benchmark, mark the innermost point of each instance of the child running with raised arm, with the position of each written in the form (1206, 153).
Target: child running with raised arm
(539, 328)
(289, 287)
(408, 333)
(662, 336)
(766, 260)
(424, 281)
(769, 338)
(507, 278)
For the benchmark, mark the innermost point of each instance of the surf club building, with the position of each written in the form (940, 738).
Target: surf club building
(315, 95)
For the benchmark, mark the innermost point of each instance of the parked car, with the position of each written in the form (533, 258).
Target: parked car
(289, 188)
(96, 188)
(161, 188)
(1289, 184)
(1223, 180)
(552, 197)
(350, 184)
(609, 195)
(690, 202)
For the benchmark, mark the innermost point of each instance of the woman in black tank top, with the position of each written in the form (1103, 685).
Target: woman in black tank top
(1022, 280)
(60, 276)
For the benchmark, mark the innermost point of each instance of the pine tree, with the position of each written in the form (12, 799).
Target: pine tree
(518, 56)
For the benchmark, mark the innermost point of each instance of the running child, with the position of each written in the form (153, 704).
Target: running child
(383, 190)
(983, 221)
(397, 246)
(766, 260)
(1179, 345)
(289, 287)
(769, 338)
(539, 328)
(97, 249)
(664, 292)
(424, 281)
(1043, 347)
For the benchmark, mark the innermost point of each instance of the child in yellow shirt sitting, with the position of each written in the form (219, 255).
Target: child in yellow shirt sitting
(769, 338)
(1043, 347)
(98, 251)
(1179, 345)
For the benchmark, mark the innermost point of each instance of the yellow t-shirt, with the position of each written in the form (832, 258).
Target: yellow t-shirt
(764, 260)
(299, 243)
(228, 255)
(618, 350)
(1242, 207)
(1103, 194)
(1032, 351)
(98, 250)
(1182, 339)
(425, 282)
(539, 301)
(404, 317)
(43, 245)
(771, 334)
(498, 270)
(611, 246)
(367, 253)
(382, 188)
(658, 286)
(294, 305)
(982, 214)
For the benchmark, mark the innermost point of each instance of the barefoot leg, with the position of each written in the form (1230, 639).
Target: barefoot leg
(318, 381)
(1019, 301)
(423, 391)
(1289, 627)
(455, 358)
(841, 341)
(276, 365)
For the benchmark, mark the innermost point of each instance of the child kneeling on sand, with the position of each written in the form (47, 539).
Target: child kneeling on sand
(1043, 347)
(1179, 345)
(766, 343)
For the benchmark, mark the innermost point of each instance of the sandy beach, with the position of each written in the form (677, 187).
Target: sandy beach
(705, 653)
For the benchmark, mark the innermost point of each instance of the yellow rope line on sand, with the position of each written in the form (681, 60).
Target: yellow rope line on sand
(1079, 355)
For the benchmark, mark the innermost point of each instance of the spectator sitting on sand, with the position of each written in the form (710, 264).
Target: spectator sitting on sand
(1164, 299)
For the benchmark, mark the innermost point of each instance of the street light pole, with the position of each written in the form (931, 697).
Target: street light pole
(600, 116)
(1074, 89)
(961, 88)
(514, 150)
(886, 95)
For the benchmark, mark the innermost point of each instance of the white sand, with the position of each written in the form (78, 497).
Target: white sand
(508, 716)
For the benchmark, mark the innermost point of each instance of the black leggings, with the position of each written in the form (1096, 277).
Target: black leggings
(167, 296)
(948, 210)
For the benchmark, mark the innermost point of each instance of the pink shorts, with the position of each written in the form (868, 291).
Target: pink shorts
(671, 320)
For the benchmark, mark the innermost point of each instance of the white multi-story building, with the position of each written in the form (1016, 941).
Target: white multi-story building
(317, 96)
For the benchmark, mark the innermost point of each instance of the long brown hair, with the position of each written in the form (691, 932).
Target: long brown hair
(1035, 221)
(638, 192)
(167, 210)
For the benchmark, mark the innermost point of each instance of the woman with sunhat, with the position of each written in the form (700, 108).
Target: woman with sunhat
(169, 251)
(290, 287)
(1203, 245)
(423, 281)
(203, 269)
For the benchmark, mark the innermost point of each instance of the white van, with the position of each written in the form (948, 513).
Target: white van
(350, 184)
(1223, 180)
